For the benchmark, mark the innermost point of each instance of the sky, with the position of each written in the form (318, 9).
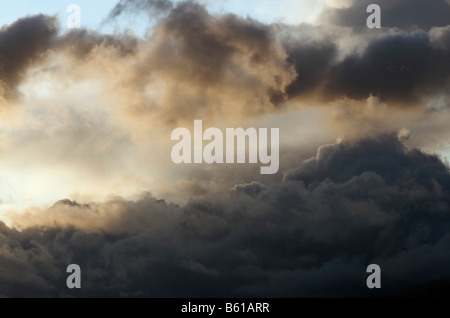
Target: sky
(86, 173)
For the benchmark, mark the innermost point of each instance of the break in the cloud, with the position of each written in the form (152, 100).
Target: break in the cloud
(96, 110)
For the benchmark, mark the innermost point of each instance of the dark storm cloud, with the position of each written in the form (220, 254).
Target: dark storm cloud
(423, 14)
(401, 67)
(22, 44)
(397, 63)
(370, 152)
(371, 201)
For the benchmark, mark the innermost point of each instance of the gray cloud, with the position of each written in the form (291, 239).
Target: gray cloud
(403, 67)
(400, 67)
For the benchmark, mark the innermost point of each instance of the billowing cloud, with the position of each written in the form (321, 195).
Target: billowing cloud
(216, 65)
(351, 205)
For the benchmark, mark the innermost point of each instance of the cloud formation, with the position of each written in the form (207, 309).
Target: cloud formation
(101, 107)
